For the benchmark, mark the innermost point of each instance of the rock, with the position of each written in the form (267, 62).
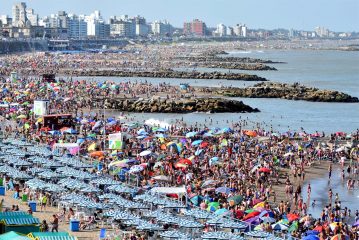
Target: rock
(286, 91)
(183, 105)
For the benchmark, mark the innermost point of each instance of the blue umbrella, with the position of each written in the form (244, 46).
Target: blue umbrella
(197, 142)
(191, 134)
(161, 135)
(221, 211)
(208, 134)
(311, 232)
(213, 160)
(311, 237)
(196, 200)
(55, 132)
(198, 152)
(223, 190)
(161, 130)
(226, 130)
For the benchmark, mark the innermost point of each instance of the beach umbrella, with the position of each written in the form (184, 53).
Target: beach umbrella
(293, 227)
(142, 132)
(222, 211)
(208, 134)
(235, 200)
(180, 165)
(145, 153)
(292, 217)
(191, 134)
(267, 219)
(310, 237)
(170, 144)
(280, 227)
(204, 144)
(197, 142)
(213, 160)
(251, 133)
(186, 161)
(318, 228)
(209, 183)
(251, 215)
(97, 154)
(225, 190)
(196, 200)
(22, 116)
(198, 152)
(136, 169)
(162, 178)
(161, 135)
(311, 232)
(226, 130)
(265, 170)
(334, 225)
(259, 205)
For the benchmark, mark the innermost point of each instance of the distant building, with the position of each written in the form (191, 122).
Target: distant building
(237, 30)
(96, 26)
(32, 17)
(19, 15)
(77, 27)
(196, 28)
(6, 20)
(322, 32)
(221, 30)
(230, 31)
(161, 28)
(123, 28)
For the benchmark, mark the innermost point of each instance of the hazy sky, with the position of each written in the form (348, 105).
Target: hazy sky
(337, 15)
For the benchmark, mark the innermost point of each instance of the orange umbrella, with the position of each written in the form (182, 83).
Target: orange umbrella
(251, 133)
(180, 165)
(292, 217)
(97, 154)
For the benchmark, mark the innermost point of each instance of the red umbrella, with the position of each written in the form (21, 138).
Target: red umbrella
(185, 161)
(318, 228)
(204, 144)
(265, 170)
(292, 217)
(250, 215)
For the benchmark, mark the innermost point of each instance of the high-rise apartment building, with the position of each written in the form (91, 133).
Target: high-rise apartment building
(19, 15)
(196, 27)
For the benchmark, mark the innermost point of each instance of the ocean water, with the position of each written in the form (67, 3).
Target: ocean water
(335, 70)
(320, 188)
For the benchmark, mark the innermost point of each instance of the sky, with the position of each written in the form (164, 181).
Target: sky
(336, 15)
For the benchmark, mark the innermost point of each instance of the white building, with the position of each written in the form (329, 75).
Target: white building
(221, 30)
(96, 26)
(161, 28)
(237, 30)
(244, 31)
(230, 31)
(32, 17)
(123, 28)
(19, 15)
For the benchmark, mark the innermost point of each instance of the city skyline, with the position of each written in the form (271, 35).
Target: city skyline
(337, 15)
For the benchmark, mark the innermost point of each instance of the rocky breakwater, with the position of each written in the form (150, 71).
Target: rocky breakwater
(287, 91)
(161, 105)
(164, 74)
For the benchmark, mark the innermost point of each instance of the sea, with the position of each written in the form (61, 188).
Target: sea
(324, 69)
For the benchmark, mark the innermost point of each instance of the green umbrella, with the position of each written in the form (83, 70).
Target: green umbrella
(26, 103)
(249, 210)
(293, 227)
(91, 135)
(213, 204)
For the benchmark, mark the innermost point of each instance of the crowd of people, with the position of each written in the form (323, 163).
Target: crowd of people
(236, 168)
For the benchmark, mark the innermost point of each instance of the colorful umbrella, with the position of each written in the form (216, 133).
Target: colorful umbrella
(265, 170)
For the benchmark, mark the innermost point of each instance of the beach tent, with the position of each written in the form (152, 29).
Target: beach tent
(20, 222)
(50, 236)
(13, 236)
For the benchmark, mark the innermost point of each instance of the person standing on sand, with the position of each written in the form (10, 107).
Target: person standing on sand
(330, 195)
(309, 190)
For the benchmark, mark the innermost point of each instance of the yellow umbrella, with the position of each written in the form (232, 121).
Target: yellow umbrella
(92, 147)
(39, 120)
(261, 204)
(191, 157)
(22, 116)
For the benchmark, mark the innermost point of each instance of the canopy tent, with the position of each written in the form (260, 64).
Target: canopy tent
(51, 236)
(13, 236)
(169, 190)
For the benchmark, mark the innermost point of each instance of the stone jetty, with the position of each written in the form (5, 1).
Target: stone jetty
(287, 91)
(181, 105)
(163, 74)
